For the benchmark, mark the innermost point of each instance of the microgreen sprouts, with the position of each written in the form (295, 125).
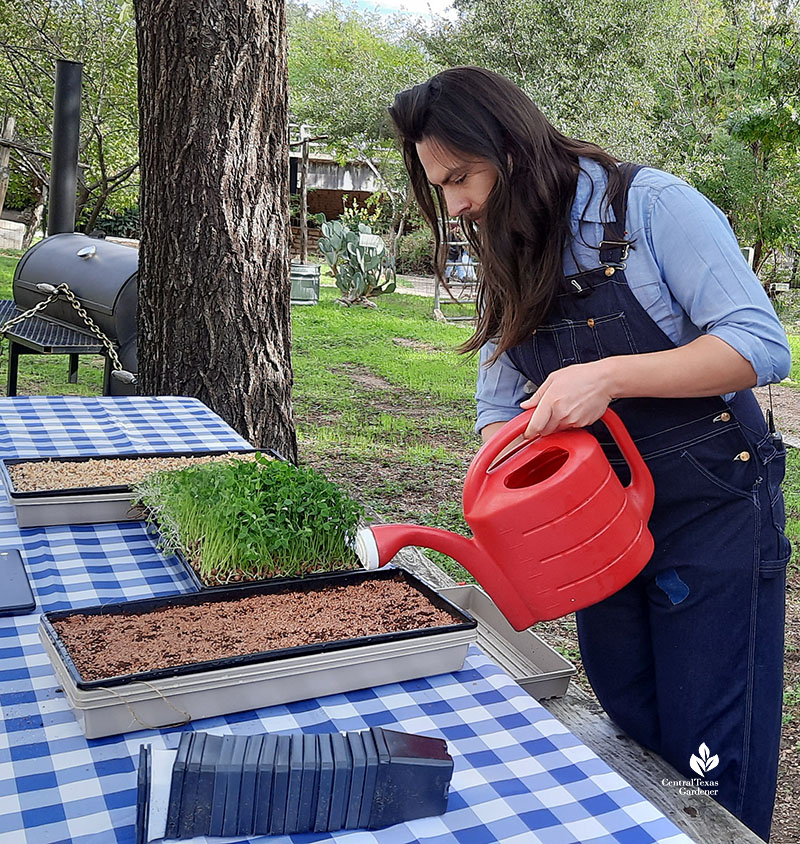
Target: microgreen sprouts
(258, 519)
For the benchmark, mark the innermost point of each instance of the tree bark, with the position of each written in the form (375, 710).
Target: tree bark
(34, 213)
(214, 303)
(7, 133)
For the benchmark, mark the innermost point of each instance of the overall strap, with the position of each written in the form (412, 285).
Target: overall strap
(615, 243)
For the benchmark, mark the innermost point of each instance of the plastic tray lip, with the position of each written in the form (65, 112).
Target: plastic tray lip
(242, 676)
(41, 495)
(466, 622)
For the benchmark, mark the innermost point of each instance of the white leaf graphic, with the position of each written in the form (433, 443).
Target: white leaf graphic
(704, 752)
(697, 766)
(712, 763)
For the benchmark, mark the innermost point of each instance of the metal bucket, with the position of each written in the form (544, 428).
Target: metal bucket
(305, 284)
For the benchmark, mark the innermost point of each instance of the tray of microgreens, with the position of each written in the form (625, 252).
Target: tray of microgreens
(242, 521)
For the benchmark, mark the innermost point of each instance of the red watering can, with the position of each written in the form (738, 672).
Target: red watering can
(555, 530)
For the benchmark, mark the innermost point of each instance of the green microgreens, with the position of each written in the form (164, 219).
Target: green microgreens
(261, 518)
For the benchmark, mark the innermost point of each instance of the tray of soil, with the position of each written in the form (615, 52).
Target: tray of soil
(243, 521)
(89, 490)
(537, 667)
(164, 661)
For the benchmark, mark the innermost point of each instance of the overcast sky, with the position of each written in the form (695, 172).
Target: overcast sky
(412, 8)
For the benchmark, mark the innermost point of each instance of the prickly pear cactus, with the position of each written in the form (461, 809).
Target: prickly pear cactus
(358, 260)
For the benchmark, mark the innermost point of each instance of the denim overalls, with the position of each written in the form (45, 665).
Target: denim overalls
(691, 652)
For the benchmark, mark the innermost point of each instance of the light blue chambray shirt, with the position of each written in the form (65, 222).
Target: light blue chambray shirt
(686, 270)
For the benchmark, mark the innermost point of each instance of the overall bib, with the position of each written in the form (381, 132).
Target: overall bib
(691, 652)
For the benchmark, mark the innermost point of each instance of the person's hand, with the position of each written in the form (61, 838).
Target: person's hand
(572, 397)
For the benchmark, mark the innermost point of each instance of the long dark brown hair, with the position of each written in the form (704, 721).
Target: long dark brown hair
(525, 227)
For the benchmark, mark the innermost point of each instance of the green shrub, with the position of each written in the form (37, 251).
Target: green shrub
(294, 210)
(415, 253)
(375, 211)
(20, 194)
(125, 223)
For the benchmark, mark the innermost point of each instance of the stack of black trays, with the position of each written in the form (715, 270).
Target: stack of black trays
(281, 784)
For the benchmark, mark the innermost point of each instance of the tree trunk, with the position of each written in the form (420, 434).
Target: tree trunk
(398, 221)
(7, 133)
(98, 206)
(34, 213)
(214, 304)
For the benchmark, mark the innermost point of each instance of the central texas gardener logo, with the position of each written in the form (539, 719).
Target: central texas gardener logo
(705, 762)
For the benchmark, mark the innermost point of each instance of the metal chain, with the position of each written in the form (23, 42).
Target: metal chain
(29, 313)
(93, 326)
(72, 299)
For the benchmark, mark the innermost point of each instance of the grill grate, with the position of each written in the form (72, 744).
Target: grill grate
(7, 309)
(47, 337)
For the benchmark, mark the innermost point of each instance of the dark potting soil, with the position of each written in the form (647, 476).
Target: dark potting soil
(103, 646)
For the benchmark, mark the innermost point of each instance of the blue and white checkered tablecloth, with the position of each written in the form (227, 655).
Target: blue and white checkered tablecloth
(520, 776)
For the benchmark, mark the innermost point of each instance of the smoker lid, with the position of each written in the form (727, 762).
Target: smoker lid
(96, 280)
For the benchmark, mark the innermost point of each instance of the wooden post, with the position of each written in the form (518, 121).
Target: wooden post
(304, 135)
(5, 152)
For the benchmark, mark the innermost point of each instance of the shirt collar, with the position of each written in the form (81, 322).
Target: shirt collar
(591, 188)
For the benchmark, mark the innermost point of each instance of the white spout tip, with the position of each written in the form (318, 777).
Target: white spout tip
(366, 549)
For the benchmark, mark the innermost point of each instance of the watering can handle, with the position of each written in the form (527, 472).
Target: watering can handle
(640, 491)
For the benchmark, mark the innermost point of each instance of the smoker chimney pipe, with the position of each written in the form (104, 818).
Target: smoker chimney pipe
(66, 138)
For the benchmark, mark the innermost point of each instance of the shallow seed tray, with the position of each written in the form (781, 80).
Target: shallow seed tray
(537, 667)
(84, 505)
(170, 696)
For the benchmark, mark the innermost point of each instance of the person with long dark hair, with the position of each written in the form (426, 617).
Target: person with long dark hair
(606, 283)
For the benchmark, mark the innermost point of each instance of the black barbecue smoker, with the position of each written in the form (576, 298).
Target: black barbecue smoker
(102, 278)
(74, 293)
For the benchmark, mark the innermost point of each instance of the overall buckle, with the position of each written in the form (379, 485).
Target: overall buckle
(624, 248)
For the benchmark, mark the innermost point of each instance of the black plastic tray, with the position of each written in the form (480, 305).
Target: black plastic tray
(201, 586)
(466, 622)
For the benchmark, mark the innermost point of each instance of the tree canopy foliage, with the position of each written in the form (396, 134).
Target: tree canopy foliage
(707, 89)
(590, 65)
(728, 115)
(345, 67)
(101, 35)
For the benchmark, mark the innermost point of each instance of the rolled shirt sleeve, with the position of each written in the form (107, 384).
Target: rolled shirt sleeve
(706, 274)
(500, 389)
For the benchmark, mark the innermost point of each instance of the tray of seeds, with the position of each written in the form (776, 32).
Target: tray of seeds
(155, 662)
(90, 490)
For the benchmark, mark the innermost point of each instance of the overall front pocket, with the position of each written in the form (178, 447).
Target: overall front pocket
(569, 341)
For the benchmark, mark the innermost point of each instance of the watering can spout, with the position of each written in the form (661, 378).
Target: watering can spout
(377, 545)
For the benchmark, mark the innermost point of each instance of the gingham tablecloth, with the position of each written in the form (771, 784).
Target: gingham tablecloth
(520, 776)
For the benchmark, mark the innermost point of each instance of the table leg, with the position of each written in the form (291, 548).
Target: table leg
(73, 369)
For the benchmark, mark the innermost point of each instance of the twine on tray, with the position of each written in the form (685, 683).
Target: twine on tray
(187, 716)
